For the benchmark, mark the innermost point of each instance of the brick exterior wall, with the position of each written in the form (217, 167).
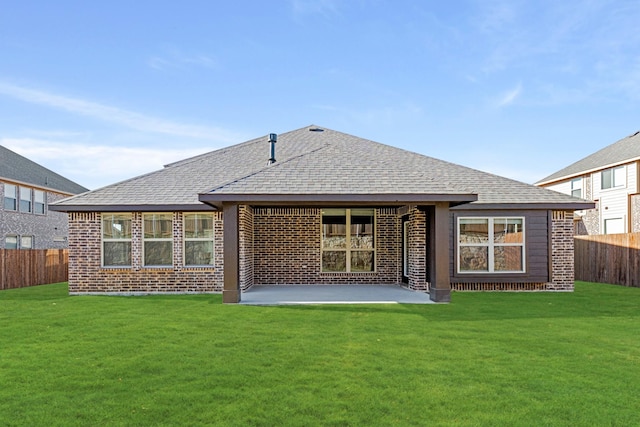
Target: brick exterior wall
(635, 213)
(287, 249)
(417, 262)
(86, 275)
(49, 231)
(245, 246)
(283, 246)
(562, 259)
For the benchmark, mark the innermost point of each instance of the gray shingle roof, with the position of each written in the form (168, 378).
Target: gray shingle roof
(622, 151)
(309, 162)
(15, 167)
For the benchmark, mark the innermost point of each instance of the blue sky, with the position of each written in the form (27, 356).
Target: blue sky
(104, 91)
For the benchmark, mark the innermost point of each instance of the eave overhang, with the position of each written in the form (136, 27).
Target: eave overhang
(218, 199)
(132, 208)
(577, 206)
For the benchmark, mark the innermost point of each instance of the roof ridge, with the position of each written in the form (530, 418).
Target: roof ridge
(597, 160)
(268, 167)
(64, 184)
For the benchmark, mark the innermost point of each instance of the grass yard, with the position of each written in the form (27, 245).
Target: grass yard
(486, 359)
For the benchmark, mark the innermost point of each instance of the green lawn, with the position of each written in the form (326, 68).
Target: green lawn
(486, 359)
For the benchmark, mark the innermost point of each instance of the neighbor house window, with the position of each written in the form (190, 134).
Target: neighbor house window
(25, 199)
(26, 242)
(348, 241)
(491, 245)
(614, 177)
(38, 201)
(613, 225)
(116, 239)
(11, 242)
(576, 187)
(10, 197)
(157, 232)
(198, 239)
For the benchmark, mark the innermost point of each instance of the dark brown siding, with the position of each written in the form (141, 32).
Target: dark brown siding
(536, 248)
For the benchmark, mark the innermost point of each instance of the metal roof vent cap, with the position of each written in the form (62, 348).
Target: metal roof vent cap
(316, 130)
(273, 138)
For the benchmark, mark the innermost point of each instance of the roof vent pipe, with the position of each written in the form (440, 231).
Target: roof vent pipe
(273, 138)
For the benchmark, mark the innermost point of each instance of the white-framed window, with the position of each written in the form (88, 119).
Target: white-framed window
(491, 244)
(613, 178)
(25, 199)
(26, 242)
(198, 239)
(39, 202)
(10, 197)
(348, 240)
(157, 238)
(116, 239)
(11, 241)
(576, 187)
(613, 225)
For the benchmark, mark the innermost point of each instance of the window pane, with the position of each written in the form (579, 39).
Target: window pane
(508, 258)
(26, 242)
(334, 232)
(607, 179)
(116, 226)
(198, 226)
(362, 261)
(619, 177)
(11, 242)
(474, 230)
(158, 226)
(474, 258)
(38, 199)
(613, 226)
(158, 253)
(10, 197)
(198, 253)
(117, 253)
(362, 229)
(25, 199)
(507, 230)
(334, 261)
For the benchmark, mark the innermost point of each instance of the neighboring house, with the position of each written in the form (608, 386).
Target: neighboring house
(27, 189)
(609, 177)
(318, 207)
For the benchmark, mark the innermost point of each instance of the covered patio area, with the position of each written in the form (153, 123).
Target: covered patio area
(332, 294)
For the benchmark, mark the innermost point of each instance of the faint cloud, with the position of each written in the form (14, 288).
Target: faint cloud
(176, 59)
(370, 116)
(325, 8)
(95, 165)
(129, 119)
(496, 16)
(509, 97)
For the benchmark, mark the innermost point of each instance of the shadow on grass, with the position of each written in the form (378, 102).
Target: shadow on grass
(588, 300)
(53, 291)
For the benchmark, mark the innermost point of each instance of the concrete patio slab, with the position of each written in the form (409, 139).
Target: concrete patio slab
(332, 294)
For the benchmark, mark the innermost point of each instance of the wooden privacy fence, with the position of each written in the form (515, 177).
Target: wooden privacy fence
(608, 258)
(20, 268)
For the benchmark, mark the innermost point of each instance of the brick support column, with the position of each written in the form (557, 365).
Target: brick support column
(417, 256)
(231, 290)
(245, 246)
(562, 256)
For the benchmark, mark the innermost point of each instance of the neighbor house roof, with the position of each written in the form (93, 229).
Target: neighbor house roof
(623, 151)
(314, 165)
(16, 168)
